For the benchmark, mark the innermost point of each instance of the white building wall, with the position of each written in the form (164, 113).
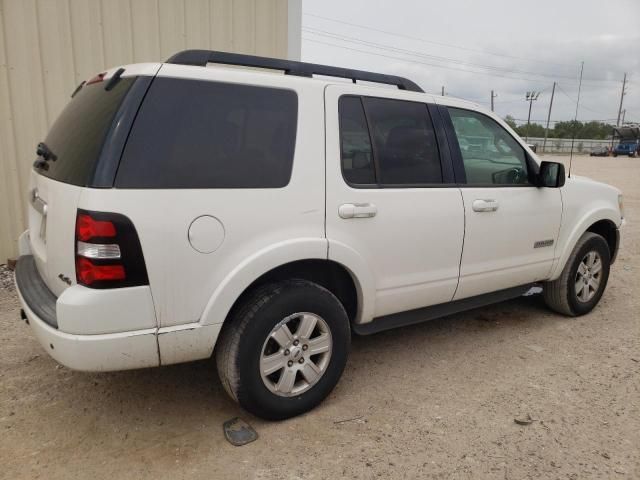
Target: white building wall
(47, 47)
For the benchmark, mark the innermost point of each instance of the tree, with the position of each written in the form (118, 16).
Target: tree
(511, 122)
(567, 129)
(532, 130)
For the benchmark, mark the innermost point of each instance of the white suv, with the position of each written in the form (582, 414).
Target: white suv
(177, 211)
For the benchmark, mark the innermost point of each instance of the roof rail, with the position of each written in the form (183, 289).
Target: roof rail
(200, 58)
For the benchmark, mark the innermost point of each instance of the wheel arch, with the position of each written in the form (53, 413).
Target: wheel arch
(609, 231)
(601, 222)
(329, 274)
(304, 259)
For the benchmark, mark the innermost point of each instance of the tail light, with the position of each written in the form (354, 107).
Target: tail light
(108, 251)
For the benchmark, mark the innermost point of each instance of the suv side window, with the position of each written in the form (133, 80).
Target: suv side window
(490, 154)
(203, 134)
(355, 144)
(389, 143)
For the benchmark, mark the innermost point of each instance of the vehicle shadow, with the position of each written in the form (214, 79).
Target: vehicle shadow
(188, 398)
(196, 387)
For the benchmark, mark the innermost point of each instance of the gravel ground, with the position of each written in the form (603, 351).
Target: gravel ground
(435, 401)
(6, 278)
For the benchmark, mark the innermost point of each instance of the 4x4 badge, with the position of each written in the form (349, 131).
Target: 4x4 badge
(543, 243)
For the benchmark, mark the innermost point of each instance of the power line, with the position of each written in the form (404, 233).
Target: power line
(486, 52)
(394, 57)
(566, 94)
(442, 44)
(573, 100)
(417, 62)
(349, 39)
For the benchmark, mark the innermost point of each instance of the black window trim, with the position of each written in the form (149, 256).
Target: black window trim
(104, 175)
(444, 154)
(458, 162)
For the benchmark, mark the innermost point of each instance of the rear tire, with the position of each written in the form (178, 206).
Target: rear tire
(266, 352)
(583, 280)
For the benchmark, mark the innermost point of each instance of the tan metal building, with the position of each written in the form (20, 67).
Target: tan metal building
(47, 47)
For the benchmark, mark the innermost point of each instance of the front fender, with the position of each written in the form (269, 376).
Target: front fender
(585, 202)
(263, 261)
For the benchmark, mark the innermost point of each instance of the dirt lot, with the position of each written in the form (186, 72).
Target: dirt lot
(436, 400)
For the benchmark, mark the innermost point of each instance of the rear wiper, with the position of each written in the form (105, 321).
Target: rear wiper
(40, 164)
(44, 155)
(45, 152)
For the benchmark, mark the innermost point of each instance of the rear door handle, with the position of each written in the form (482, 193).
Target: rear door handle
(357, 210)
(485, 205)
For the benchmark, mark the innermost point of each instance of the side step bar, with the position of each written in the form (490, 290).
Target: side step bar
(419, 315)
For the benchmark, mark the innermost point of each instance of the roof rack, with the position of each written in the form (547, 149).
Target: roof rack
(200, 58)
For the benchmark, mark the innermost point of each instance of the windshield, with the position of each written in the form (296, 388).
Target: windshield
(77, 136)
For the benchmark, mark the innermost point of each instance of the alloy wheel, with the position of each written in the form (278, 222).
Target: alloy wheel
(588, 276)
(296, 354)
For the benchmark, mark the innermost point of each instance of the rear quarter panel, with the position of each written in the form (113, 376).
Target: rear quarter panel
(262, 227)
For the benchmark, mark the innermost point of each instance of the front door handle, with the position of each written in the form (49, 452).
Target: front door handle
(485, 205)
(357, 210)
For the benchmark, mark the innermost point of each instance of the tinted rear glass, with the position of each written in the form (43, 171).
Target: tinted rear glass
(404, 141)
(201, 134)
(77, 136)
(355, 144)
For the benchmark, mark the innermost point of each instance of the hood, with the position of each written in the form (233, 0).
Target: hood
(595, 184)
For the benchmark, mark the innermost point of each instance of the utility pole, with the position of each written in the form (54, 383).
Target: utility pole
(531, 96)
(443, 90)
(624, 83)
(492, 97)
(624, 114)
(546, 130)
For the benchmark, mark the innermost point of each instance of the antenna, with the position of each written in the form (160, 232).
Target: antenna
(575, 119)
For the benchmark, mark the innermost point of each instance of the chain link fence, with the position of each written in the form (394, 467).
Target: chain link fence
(563, 145)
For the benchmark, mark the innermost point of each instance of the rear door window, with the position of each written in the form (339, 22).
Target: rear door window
(355, 144)
(387, 142)
(77, 135)
(202, 134)
(404, 142)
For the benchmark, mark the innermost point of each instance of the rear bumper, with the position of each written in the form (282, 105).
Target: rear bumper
(34, 291)
(97, 352)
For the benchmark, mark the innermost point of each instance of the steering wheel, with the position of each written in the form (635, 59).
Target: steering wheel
(509, 176)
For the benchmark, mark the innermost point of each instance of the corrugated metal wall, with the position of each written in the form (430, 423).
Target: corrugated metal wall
(47, 47)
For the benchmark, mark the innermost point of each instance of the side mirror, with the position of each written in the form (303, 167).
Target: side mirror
(551, 175)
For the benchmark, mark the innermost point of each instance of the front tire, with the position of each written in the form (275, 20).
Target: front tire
(284, 349)
(584, 278)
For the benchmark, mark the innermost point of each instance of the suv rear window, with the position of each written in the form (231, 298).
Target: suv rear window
(77, 136)
(203, 134)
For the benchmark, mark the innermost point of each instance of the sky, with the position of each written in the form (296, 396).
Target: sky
(508, 46)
